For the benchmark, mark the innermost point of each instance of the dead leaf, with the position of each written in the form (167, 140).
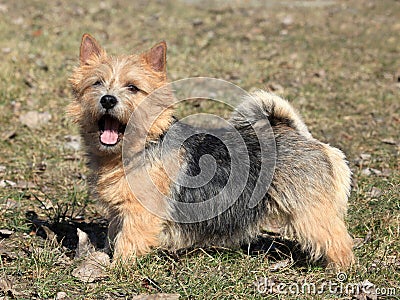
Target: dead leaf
(11, 204)
(197, 22)
(376, 171)
(366, 172)
(73, 142)
(390, 141)
(93, 267)
(320, 74)
(7, 135)
(35, 119)
(62, 296)
(3, 8)
(287, 20)
(72, 157)
(25, 185)
(275, 87)
(375, 192)
(161, 296)
(6, 183)
(85, 247)
(371, 171)
(6, 232)
(47, 204)
(279, 265)
(386, 172)
(365, 156)
(40, 167)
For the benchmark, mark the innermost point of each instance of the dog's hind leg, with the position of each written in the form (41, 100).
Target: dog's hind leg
(321, 231)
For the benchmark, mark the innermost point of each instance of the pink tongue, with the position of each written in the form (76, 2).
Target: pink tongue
(110, 133)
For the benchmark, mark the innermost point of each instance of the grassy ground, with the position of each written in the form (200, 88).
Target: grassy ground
(338, 63)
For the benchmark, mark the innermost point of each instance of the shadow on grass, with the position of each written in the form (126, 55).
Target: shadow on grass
(276, 248)
(279, 249)
(65, 231)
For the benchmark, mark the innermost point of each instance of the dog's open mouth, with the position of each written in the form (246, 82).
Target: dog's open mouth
(111, 130)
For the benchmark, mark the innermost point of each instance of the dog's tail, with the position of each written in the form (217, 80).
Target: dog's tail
(260, 105)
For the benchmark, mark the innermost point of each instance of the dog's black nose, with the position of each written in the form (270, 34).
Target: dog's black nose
(108, 101)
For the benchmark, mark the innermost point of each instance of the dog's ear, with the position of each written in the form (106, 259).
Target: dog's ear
(156, 57)
(89, 47)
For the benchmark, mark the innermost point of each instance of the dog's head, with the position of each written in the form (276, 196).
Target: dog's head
(108, 89)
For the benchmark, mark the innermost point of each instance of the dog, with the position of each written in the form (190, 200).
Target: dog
(308, 190)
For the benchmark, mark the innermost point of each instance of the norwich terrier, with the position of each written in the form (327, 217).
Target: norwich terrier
(148, 204)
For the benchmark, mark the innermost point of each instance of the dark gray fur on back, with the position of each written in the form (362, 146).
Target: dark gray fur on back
(238, 221)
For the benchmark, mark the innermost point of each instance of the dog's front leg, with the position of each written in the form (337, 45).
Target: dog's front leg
(133, 231)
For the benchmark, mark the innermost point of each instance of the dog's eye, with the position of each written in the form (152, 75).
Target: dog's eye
(97, 83)
(133, 88)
